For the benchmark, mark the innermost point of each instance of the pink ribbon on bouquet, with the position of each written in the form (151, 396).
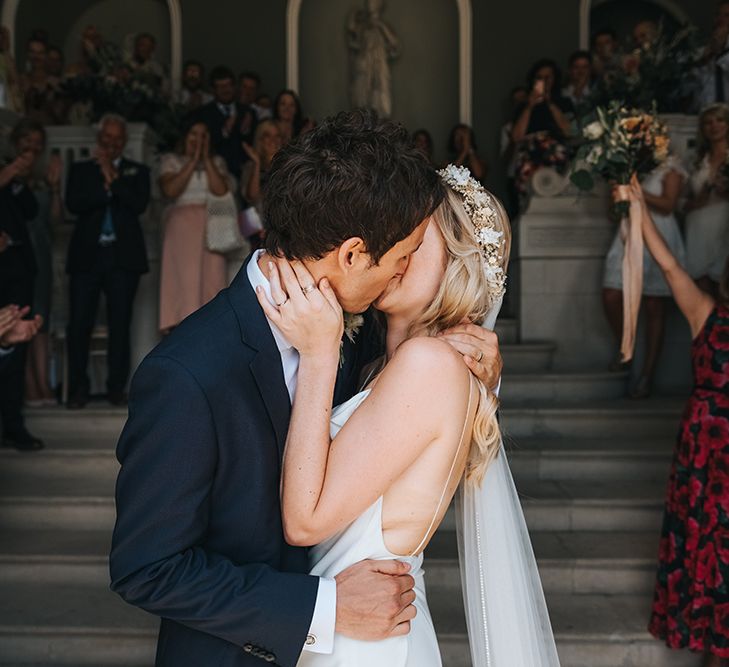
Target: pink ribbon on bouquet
(631, 234)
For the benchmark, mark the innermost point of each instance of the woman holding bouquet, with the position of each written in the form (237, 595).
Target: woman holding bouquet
(661, 190)
(690, 603)
(707, 219)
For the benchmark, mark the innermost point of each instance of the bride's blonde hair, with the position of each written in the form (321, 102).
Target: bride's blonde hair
(464, 293)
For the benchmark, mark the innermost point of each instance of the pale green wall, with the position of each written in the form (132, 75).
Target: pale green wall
(424, 76)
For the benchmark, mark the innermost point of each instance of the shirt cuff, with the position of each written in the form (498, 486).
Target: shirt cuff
(320, 638)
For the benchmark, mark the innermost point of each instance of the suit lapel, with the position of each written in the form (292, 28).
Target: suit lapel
(266, 364)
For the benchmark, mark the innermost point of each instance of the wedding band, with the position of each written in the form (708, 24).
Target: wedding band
(308, 288)
(480, 356)
(283, 303)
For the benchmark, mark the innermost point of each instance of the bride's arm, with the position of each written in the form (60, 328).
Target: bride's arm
(325, 484)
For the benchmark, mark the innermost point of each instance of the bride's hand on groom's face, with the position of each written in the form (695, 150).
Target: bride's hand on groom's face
(308, 315)
(480, 350)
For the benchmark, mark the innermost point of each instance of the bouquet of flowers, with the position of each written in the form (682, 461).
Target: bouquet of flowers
(618, 143)
(537, 150)
(660, 71)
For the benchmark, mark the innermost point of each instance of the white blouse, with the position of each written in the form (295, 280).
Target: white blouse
(196, 191)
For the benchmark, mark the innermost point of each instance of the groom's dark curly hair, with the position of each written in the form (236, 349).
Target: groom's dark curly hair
(355, 175)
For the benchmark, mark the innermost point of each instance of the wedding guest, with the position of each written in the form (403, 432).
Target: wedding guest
(107, 253)
(143, 65)
(97, 56)
(287, 112)
(249, 87)
(661, 190)
(42, 97)
(689, 609)
(15, 330)
(424, 143)
(54, 62)
(266, 144)
(507, 150)
(707, 219)
(462, 151)
(578, 89)
(606, 57)
(230, 123)
(18, 270)
(644, 34)
(45, 184)
(265, 103)
(10, 95)
(192, 95)
(545, 110)
(712, 74)
(191, 275)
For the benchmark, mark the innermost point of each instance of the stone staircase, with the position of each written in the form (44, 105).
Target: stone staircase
(590, 466)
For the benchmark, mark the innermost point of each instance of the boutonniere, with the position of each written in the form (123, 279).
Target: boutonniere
(352, 324)
(130, 171)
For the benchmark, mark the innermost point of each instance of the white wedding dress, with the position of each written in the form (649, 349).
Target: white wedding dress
(507, 618)
(362, 540)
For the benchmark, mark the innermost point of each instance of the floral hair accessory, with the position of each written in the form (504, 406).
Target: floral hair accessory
(480, 207)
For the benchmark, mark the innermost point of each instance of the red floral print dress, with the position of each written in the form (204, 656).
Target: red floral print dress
(691, 599)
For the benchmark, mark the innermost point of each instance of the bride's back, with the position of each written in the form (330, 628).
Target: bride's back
(416, 502)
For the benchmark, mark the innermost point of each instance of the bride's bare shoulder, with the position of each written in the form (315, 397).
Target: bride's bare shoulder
(428, 360)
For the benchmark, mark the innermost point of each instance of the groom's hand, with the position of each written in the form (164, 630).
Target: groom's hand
(375, 600)
(480, 350)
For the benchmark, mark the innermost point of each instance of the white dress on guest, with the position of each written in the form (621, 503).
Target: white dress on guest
(654, 284)
(707, 229)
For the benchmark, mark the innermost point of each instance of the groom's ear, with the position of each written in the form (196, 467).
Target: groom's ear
(353, 256)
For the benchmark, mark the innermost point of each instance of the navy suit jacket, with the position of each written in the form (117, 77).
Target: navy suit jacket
(87, 198)
(198, 537)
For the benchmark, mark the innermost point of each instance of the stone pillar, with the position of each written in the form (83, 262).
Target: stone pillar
(562, 244)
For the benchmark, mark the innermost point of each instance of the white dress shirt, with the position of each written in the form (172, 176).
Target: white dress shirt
(320, 638)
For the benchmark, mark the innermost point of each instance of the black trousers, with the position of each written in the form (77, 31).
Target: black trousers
(119, 287)
(16, 287)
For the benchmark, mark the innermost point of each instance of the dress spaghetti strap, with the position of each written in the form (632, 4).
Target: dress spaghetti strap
(450, 472)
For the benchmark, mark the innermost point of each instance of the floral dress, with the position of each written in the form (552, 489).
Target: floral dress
(691, 600)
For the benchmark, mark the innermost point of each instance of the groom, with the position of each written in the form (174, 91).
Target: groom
(198, 539)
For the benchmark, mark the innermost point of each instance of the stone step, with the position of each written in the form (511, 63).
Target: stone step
(548, 505)
(559, 388)
(71, 624)
(527, 357)
(97, 420)
(580, 563)
(622, 419)
(586, 458)
(91, 462)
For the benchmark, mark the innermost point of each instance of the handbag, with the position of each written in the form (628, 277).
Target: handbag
(222, 234)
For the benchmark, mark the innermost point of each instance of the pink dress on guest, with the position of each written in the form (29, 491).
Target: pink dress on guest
(191, 274)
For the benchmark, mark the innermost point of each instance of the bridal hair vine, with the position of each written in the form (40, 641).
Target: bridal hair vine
(480, 208)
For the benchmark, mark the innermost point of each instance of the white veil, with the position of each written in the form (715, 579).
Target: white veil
(507, 617)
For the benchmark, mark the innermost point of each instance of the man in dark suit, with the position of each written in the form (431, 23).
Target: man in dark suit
(18, 269)
(107, 253)
(230, 123)
(198, 538)
(16, 331)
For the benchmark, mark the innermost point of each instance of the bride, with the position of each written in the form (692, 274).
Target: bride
(373, 478)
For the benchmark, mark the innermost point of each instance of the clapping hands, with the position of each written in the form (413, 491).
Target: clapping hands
(14, 329)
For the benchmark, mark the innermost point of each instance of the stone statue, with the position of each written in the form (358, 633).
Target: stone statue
(373, 45)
